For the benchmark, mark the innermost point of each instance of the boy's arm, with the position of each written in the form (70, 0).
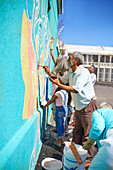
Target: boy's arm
(49, 102)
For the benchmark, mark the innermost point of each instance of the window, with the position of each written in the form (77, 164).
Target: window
(101, 74)
(84, 58)
(112, 59)
(107, 74)
(112, 75)
(102, 58)
(107, 59)
(95, 58)
(89, 58)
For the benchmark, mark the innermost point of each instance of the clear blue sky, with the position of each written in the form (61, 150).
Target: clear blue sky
(87, 22)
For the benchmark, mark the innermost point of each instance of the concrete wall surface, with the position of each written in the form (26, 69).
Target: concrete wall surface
(25, 29)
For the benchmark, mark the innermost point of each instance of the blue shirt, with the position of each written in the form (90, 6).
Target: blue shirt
(80, 80)
(102, 120)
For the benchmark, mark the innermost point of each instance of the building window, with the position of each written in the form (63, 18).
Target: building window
(101, 74)
(112, 75)
(112, 59)
(102, 59)
(85, 58)
(107, 59)
(89, 58)
(107, 74)
(95, 58)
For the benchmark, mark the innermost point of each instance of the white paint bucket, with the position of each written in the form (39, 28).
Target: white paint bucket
(69, 160)
(51, 164)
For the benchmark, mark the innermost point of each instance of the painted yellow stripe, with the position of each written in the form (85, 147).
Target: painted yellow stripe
(25, 63)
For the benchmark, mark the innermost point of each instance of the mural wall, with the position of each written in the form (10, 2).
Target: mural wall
(25, 30)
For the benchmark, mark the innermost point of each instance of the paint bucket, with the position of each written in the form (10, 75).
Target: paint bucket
(69, 161)
(51, 164)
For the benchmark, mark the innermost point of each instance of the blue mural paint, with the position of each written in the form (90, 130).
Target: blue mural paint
(28, 12)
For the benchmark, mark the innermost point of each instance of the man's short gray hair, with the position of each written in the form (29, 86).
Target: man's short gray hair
(79, 56)
(105, 105)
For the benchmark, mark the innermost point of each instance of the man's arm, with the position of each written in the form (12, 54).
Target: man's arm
(64, 87)
(51, 49)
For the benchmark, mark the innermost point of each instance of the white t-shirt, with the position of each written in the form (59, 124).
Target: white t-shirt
(93, 78)
(60, 98)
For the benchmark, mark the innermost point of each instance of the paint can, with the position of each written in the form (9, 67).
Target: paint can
(69, 161)
(51, 164)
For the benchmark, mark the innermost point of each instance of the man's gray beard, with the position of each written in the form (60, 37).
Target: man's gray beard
(71, 63)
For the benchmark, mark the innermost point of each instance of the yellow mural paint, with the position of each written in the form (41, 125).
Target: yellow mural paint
(25, 63)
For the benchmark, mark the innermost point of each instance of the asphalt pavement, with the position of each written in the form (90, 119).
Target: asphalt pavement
(104, 93)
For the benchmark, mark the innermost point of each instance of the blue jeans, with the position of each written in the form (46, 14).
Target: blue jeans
(60, 118)
(70, 109)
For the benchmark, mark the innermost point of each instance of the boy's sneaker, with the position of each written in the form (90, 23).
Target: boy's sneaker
(87, 163)
(72, 123)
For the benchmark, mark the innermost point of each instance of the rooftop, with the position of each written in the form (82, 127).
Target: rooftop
(85, 49)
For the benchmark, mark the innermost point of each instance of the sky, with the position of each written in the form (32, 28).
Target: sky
(87, 22)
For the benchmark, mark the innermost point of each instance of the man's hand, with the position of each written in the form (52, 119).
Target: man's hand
(87, 145)
(43, 106)
(46, 68)
(51, 40)
(55, 81)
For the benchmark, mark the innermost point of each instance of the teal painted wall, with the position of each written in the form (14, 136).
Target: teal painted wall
(25, 29)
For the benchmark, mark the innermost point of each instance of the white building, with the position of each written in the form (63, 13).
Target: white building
(101, 57)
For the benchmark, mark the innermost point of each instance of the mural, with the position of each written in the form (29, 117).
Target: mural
(26, 29)
(34, 32)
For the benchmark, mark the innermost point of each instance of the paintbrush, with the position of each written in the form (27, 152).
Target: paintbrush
(40, 65)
